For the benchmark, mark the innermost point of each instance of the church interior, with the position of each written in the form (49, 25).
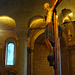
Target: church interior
(23, 50)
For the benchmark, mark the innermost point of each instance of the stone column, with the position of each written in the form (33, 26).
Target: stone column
(32, 62)
(1, 58)
(60, 58)
(22, 52)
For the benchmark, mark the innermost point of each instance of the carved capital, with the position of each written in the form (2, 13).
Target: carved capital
(30, 50)
(71, 47)
(22, 33)
(1, 46)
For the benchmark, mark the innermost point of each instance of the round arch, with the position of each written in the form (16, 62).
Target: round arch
(34, 18)
(35, 37)
(7, 22)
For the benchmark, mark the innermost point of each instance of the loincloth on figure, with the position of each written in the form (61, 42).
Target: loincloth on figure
(49, 31)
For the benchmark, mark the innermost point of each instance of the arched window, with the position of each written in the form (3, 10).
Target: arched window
(10, 53)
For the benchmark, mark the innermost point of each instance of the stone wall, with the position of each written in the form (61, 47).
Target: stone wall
(40, 63)
(64, 58)
(72, 62)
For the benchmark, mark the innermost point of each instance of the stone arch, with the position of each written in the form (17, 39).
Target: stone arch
(33, 18)
(35, 22)
(35, 37)
(7, 22)
(7, 26)
(12, 39)
(63, 16)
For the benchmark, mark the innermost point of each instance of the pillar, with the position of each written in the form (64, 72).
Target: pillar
(1, 58)
(60, 57)
(22, 52)
(32, 62)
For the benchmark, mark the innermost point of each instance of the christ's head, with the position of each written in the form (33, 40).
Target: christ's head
(46, 6)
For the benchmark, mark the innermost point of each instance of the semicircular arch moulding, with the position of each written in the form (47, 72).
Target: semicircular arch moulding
(35, 22)
(32, 42)
(7, 22)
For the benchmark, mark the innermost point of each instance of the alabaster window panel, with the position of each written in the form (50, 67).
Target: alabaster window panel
(10, 53)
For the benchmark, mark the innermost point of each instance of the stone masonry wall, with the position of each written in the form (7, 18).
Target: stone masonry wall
(40, 63)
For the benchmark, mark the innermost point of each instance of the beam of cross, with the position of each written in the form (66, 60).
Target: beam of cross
(57, 67)
(52, 2)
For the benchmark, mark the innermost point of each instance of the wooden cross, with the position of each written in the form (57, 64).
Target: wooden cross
(55, 19)
(54, 60)
(52, 2)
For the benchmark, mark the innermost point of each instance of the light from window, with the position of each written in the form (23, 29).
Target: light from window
(10, 54)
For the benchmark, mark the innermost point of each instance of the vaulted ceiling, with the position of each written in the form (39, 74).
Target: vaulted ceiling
(22, 11)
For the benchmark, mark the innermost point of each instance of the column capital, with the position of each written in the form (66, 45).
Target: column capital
(71, 47)
(1, 46)
(22, 33)
(30, 50)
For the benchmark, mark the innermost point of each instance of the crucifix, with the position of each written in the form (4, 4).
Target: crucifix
(51, 40)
